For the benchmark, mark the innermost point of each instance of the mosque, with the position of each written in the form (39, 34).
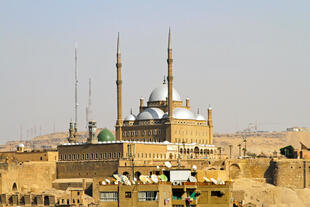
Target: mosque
(164, 118)
(165, 129)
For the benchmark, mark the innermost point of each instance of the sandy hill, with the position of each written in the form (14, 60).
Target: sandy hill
(265, 142)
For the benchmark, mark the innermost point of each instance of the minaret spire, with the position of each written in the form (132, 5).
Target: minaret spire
(119, 121)
(170, 78)
(73, 132)
(89, 107)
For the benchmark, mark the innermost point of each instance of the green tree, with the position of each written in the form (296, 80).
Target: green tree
(288, 151)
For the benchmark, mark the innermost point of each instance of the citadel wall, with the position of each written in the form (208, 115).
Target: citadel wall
(26, 176)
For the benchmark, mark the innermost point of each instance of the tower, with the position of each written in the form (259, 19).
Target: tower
(73, 132)
(92, 139)
(119, 121)
(89, 112)
(170, 78)
(75, 92)
(210, 124)
(72, 137)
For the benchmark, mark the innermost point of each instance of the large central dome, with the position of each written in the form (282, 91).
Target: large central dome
(161, 93)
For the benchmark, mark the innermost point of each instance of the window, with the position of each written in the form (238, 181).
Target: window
(60, 157)
(127, 194)
(114, 154)
(108, 196)
(148, 196)
(92, 156)
(96, 156)
(217, 193)
(78, 156)
(83, 156)
(86, 157)
(69, 157)
(105, 155)
(101, 156)
(119, 155)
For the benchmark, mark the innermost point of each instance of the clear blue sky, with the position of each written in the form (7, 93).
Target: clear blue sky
(249, 59)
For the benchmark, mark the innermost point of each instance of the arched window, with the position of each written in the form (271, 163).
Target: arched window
(14, 187)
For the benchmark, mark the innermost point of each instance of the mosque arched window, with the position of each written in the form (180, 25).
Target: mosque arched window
(101, 156)
(96, 156)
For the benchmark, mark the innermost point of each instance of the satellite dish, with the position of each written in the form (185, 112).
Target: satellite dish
(157, 167)
(163, 177)
(206, 179)
(133, 182)
(125, 179)
(135, 179)
(148, 180)
(214, 181)
(116, 176)
(108, 181)
(154, 178)
(194, 167)
(192, 179)
(143, 179)
(116, 182)
(103, 183)
(168, 164)
(127, 182)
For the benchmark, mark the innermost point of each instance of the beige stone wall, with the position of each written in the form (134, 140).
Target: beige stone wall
(30, 156)
(292, 173)
(27, 176)
(86, 169)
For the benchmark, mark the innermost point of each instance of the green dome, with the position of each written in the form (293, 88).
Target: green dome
(105, 135)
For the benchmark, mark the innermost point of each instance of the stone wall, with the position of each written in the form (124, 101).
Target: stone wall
(86, 169)
(27, 176)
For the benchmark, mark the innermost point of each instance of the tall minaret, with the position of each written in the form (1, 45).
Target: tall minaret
(75, 84)
(75, 132)
(210, 124)
(89, 107)
(119, 121)
(170, 78)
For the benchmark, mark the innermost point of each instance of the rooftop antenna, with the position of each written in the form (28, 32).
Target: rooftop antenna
(76, 85)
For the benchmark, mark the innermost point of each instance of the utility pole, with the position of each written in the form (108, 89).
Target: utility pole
(239, 145)
(244, 151)
(230, 149)
(131, 157)
(220, 151)
(179, 161)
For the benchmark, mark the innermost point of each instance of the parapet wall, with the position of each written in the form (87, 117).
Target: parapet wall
(292, 173)
(86, 169)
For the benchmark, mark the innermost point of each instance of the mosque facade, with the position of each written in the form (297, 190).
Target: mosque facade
(164, 117)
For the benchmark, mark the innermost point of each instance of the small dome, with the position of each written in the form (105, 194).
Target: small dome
(199, 117)
(130, 117)
(181, 113)
(21, 145)
(161, 93)
(105, 135)
(150, 113)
